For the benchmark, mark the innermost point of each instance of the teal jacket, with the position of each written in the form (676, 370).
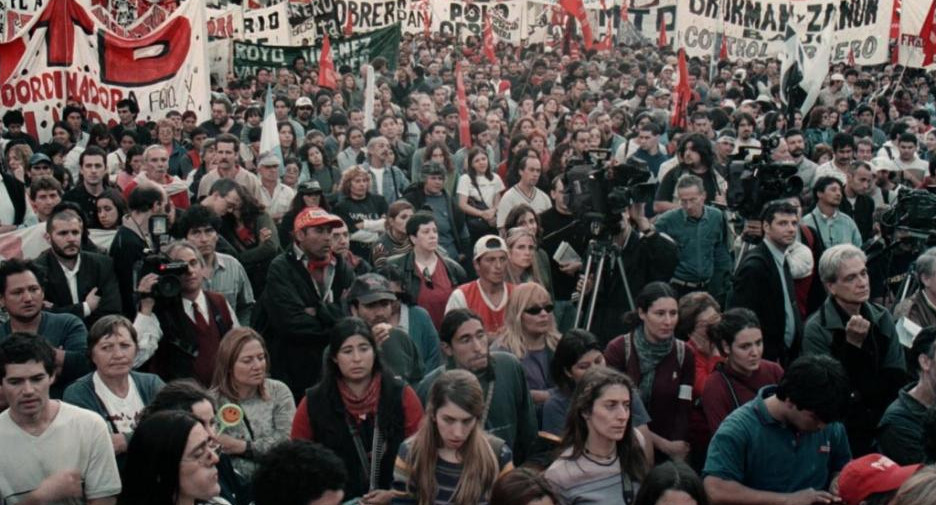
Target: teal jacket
(511, 416)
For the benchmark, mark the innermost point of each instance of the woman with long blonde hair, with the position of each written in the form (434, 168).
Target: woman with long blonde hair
(523, 261)
(450, 460)
(530, 334)
(240, 378)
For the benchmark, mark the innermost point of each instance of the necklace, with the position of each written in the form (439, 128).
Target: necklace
(601, 459)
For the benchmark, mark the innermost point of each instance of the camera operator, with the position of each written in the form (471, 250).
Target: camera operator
(133, 239)
(645, 256)
(696, 158)
(193, 322)
(563, 228)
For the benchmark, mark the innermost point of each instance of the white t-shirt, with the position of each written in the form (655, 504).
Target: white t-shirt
(490, 188)
(513, 197)
(123, 412)
(76, 439)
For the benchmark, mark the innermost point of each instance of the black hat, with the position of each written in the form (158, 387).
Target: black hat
(370, 288)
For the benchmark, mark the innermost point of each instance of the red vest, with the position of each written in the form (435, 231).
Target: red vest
(493, 320)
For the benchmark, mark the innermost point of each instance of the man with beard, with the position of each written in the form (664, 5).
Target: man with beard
(22, 297)
(509, 407)
(79, 283)
(371, 299)
(182, 334)
(221, 120)
(805, 167)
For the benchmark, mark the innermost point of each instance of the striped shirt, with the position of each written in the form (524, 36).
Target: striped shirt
(583, 482)
(447, 475)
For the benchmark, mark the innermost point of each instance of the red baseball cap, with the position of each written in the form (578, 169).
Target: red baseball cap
(314, 216)
(867, 475)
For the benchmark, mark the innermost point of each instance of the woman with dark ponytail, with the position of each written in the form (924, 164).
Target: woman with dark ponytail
(662, 367)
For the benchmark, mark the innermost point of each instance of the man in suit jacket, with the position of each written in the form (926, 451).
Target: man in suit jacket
(763, 283)
(77, 282)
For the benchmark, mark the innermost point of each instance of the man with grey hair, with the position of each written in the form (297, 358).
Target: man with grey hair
(862, 336)
(921, 306)
(701, 232)
(192, 322)
(387, 180)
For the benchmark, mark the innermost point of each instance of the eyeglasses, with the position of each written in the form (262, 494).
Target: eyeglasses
(538, 309)
(204, 456)
(428, 278)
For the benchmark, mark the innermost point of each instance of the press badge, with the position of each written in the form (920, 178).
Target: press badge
(685, 392)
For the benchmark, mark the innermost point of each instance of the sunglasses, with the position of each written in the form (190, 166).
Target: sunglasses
(538, 309)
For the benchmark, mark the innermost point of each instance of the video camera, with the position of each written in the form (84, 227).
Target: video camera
(754, 183)
(169, 284)
(913, 213)
(599, 193)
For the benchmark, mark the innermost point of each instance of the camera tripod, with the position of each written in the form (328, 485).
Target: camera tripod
(607, 254)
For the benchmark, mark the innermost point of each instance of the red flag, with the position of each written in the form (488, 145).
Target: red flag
(427, 23)
(488, 39)
(577, 9)
(464, 129)
(895, 31)
(606, 42)
(348, 27)
(662, 41)
(327, 78)
(851, 57)
(683, 94)
(928, 36)
(723, 51)
(624, 10)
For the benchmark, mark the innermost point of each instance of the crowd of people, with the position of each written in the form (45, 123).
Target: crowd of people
(402, 309)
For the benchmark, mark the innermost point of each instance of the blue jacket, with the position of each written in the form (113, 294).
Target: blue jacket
(81, 393)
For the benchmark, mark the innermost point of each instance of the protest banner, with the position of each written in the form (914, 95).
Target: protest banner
(454, 17)
(914, 50)
(352, 51)
(225, 23)
(268, 25)
(65, 53)
(418, 14)
(310, 19)
(646, 15)
(14, 14)
(754, 29)
(30, 242)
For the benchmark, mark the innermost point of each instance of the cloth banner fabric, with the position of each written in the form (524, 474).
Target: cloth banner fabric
(467, 18)
(755, 29)
(267, 25)
(28, 243)
(64, 52)
(352, 51)
(912, 47)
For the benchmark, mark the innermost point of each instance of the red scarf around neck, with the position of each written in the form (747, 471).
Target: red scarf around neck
(359, 407)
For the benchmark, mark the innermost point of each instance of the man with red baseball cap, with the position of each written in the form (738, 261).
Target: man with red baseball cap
(301, 300)
(873, 478)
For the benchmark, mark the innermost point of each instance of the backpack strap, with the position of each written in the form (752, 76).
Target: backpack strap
(680, 352)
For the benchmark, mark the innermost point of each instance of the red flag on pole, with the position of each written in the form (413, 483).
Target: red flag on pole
(851, 57)
(662, 41)
(487, 36)
(928, 36)
(683, 94)
(576, 8)
(606, 42)
(348, 27)
(327, 78)
(464, 129)
(723, 50)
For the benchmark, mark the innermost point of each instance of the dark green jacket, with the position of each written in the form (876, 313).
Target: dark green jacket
(511, 416)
